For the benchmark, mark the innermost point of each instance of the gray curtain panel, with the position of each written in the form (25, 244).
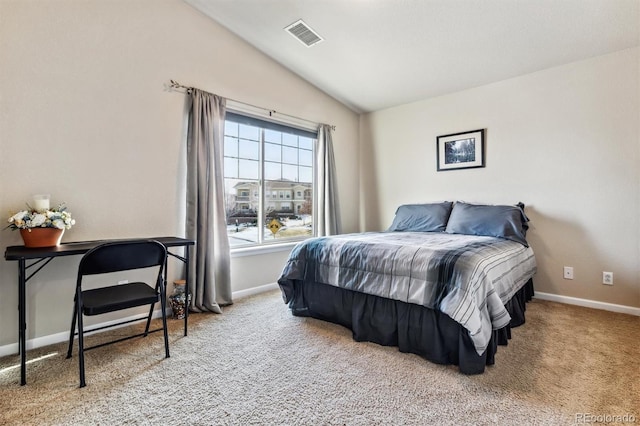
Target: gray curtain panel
(206, 222)
(326, 210)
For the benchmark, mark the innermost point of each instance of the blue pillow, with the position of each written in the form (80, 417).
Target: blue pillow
(507, 222)
(422, 217)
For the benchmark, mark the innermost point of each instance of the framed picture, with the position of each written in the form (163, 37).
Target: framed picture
(461, 150)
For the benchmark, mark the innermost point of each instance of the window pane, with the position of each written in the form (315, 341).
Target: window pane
(248, 169)
(230, 128)
(249, 132)
(290, 172)
(305, 174)
(272, 136)
(305, 143)
(272, 171)
(230, 147)
(294, 213)
(289, 139)
(305, 157)
(289, 155)
(249, 149)
(230, 167)
(272, 152)
(241, 212)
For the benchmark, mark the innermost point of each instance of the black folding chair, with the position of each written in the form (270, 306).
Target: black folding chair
(113, 257)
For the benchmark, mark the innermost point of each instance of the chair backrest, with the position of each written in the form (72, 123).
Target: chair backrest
(122, 256)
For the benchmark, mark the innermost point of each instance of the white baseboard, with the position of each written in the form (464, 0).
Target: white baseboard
(64, 336)
(254, 290)
(588, 303)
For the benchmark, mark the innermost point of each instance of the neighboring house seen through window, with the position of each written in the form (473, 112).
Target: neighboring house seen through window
(268, 169)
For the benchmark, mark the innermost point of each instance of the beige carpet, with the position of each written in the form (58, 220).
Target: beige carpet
(257, 364)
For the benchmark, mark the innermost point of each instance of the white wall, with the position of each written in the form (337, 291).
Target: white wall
(565, 141)
(85, 116)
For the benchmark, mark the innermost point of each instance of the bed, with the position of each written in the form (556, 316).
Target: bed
(446, 281)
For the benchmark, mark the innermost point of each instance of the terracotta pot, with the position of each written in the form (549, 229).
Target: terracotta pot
(41, 237)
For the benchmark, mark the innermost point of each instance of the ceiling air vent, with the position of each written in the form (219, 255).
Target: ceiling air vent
(303, 33)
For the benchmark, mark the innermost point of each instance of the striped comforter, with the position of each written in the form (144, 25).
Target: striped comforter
(469, 278)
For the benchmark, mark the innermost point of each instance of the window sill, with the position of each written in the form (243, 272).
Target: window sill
(264, 249)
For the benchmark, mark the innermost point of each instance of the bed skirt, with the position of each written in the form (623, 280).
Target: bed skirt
(412, 328)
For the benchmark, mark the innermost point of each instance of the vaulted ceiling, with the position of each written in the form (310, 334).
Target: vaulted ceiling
(381, 53)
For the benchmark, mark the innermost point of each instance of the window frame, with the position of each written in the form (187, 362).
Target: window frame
(241, 117)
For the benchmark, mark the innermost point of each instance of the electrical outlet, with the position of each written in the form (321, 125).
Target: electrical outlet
(607, 278)
(568, 272)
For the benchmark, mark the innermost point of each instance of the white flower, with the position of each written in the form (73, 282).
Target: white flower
(51, 218)
(18, 217)
(38, 219)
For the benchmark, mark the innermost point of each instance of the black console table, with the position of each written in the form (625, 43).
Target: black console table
(40, 257)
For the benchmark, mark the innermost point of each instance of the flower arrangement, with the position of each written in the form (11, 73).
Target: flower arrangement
(57, 217)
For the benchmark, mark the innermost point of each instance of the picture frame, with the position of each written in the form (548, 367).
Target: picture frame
(463, 150)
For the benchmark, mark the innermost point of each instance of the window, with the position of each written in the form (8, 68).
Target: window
(265, 163)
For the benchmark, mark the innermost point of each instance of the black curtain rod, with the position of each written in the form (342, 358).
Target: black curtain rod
(175, 85)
